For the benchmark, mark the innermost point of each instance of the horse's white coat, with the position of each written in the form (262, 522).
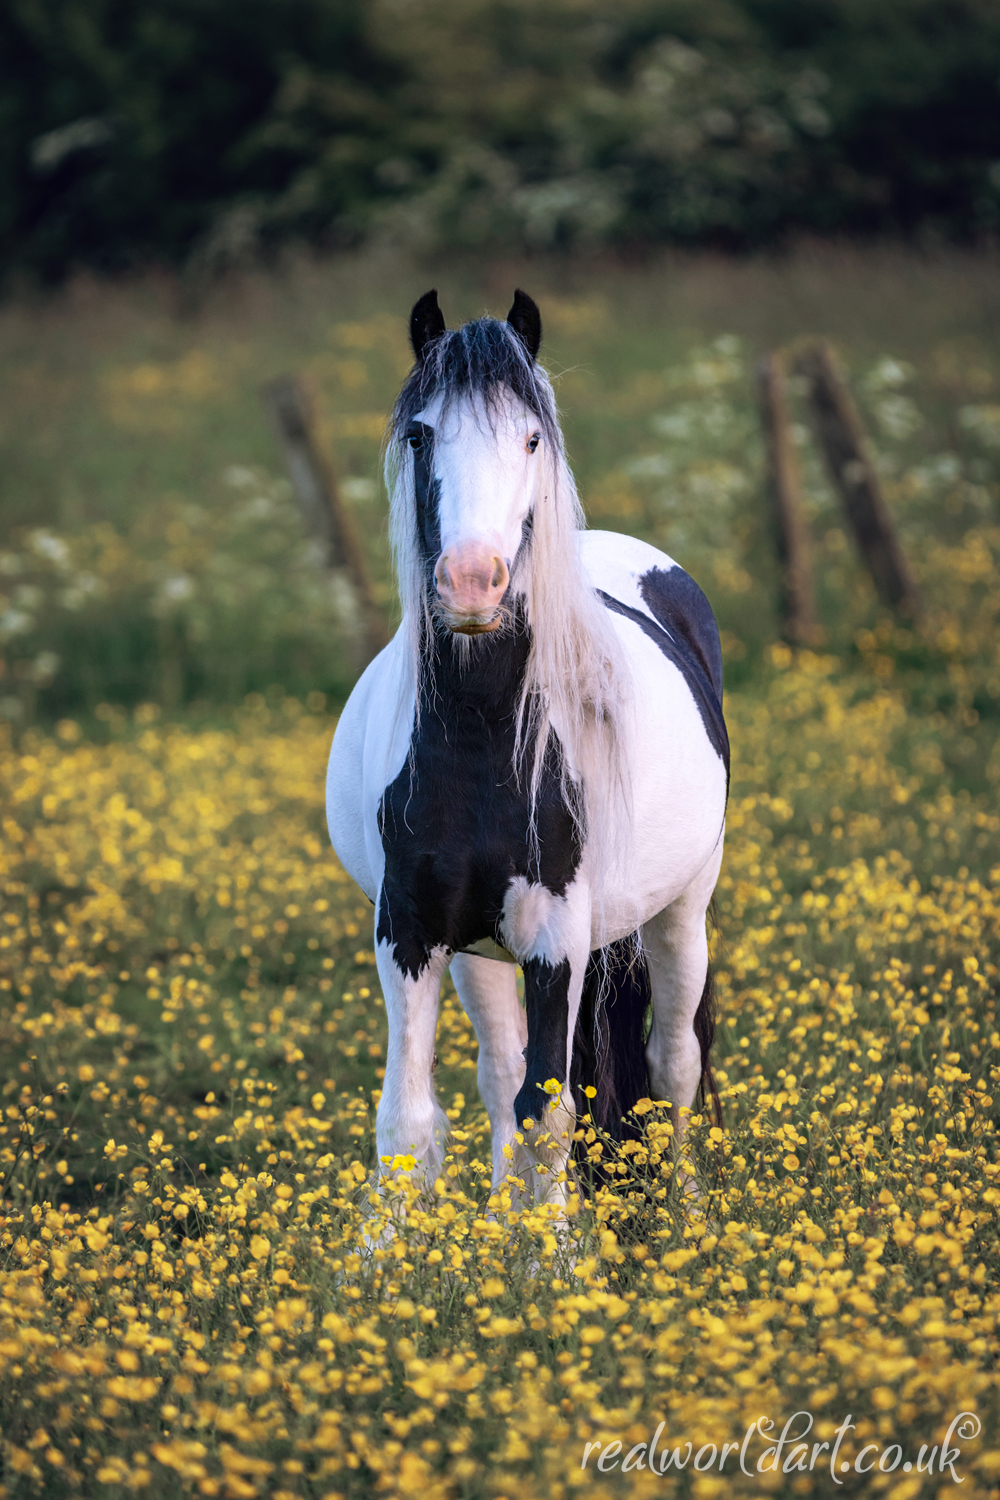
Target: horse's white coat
(674, 801)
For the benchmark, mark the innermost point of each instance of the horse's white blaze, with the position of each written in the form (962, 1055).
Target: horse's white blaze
(488, 480)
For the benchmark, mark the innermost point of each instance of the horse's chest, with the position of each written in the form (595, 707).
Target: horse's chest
(455, 827)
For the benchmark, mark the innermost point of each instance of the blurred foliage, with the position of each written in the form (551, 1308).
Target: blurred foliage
(185, 605)
(185, 602)
(211, 591)
(211, 131)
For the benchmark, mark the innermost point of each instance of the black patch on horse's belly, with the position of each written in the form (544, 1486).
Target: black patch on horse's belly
(455, 824)
(684, 629)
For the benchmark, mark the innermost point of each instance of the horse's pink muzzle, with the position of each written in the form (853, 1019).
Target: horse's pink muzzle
(471, 579)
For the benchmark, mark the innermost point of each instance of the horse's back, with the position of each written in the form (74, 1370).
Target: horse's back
(678, 753)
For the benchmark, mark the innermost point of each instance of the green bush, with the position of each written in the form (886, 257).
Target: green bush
(217, 129)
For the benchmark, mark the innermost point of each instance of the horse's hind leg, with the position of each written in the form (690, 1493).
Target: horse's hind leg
(676, 948)
(410, 1122)
(488, 992)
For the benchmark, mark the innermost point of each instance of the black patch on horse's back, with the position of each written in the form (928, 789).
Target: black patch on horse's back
(455, 822)
(685, 631)
(682, 608)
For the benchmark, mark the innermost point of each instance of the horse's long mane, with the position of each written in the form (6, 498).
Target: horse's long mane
(577, 679)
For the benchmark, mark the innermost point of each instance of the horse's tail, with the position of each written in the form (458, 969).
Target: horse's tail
(704, 1030)
(609, 1047)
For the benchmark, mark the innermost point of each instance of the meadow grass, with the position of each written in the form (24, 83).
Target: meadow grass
(193, 1035)
(150, 548)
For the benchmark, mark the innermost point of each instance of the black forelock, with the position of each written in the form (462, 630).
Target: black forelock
(484, 361)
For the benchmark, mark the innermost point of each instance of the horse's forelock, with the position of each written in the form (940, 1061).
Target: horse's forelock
(486, 363)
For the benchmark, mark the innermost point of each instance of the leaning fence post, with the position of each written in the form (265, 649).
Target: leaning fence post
(290, 409)
(842, 438)
(798, 603)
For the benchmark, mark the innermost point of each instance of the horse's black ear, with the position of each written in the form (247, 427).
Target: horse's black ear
(526, 321)
(426, 323)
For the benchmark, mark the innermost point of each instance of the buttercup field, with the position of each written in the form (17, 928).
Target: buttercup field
(192, 1028)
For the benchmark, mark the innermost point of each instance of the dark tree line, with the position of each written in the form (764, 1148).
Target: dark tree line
(212, 129)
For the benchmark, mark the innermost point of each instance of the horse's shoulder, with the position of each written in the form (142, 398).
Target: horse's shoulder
(639, 577)
(610, 555)
(369, 747)
(380, 693)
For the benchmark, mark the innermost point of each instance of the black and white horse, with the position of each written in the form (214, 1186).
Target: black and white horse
(534, 770)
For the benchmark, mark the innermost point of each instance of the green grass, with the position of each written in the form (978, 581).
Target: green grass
(122, 411)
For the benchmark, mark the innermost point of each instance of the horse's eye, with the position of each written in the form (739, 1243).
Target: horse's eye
(415, 440)
(534, 441)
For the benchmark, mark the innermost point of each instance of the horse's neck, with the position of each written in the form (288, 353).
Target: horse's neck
(487, 677)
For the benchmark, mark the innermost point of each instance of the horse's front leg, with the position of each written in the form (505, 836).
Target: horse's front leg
(553, 987)
(410, 1122)
(488, 992)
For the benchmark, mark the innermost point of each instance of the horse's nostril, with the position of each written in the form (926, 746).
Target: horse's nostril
(499, 572)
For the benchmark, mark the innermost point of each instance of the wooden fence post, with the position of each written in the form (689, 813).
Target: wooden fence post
(842, 438)
(290, 409)
(798, 603)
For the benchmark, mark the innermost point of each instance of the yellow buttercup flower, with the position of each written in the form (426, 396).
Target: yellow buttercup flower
(199, 1233)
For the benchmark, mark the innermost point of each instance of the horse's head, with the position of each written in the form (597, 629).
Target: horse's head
(477, 419)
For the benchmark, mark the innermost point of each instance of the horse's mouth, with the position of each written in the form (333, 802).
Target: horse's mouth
(473, 627)
(484, 623)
